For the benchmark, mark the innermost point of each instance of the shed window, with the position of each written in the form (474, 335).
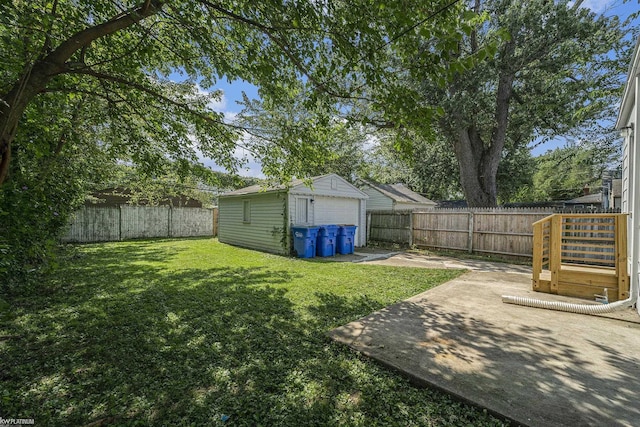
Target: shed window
(246, 211)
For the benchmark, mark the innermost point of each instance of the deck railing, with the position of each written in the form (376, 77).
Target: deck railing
(583, 240)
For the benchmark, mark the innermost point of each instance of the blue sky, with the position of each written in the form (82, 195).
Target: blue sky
(232, 91)
(622, 9)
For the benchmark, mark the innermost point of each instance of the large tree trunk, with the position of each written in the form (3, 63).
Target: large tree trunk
(478, 161)
(478, 169)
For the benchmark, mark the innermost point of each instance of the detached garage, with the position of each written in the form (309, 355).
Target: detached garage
(261, 218)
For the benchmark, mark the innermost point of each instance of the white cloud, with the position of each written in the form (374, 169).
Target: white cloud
(218, 101)
(597, 6)
(218, 105)
(251, 167)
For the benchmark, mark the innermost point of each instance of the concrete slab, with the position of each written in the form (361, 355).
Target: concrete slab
(412, 259)
(536, 367)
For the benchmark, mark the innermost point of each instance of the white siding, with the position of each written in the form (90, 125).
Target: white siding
(629, 122)
(630, 179)
(377, 201)
(265, 230)
(336, 210)
(627, 169)
(333, 210)
(335, 201)
(329, 185)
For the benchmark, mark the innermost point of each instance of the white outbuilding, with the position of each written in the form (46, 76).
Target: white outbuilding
(261, 218)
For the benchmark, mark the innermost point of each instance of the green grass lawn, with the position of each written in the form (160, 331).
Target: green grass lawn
(190, 332)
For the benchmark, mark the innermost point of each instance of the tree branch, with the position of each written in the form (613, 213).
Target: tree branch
(47, 39)
(104, 96)
(183, 106)
(83, 38)
(269, 32)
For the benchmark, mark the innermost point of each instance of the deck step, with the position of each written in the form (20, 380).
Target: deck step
(581, 281)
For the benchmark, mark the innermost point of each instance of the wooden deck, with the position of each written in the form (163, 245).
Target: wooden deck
(581, 255)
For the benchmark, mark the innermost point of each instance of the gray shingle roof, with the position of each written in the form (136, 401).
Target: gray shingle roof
(259, 188)
(589, 198)
(400, 193)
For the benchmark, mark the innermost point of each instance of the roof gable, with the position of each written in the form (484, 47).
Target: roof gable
(320, 185)
(399, 193)
(329, 185)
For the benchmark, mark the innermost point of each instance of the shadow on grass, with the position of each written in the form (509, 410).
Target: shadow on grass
(128, 342)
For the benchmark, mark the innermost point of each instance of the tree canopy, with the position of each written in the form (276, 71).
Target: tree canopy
(89, 84)
(531, 71)
(123, 55)
(459, 111)
(563, 173)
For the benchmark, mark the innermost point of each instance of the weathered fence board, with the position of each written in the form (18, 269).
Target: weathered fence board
(92, 224)
(507, 233)
(496, 231)
(187, 222)
(139, 222)
(389, 227)
(450, 231)
(102, 224)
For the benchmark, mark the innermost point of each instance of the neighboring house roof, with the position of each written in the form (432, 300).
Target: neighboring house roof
(552, 204)
(400, 193)
(595, 198)
(294, 184)
(258, 188)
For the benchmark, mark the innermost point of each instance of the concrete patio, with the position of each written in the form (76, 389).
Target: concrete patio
(535, 367)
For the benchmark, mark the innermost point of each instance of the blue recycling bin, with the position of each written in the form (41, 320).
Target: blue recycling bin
(326, 242)
(304, 241)
(345, 239)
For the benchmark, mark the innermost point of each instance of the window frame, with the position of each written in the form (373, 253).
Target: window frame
(246, 211)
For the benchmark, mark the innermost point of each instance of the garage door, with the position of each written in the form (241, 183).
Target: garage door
(337, 210)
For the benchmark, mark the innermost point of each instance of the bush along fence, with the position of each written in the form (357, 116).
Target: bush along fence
(124, 222)
(487, 231)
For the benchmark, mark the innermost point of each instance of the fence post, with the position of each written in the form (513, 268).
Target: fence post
(537, 254)
(470, 236)
(410, 229)
(555, 251)
(169, 219)
(368, 227)
(120, 222)
(621, 256)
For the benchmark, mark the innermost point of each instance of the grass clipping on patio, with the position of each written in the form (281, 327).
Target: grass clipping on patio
(194, 332)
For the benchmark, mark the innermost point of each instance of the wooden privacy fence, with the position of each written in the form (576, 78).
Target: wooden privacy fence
(492, 231)
(113, 223)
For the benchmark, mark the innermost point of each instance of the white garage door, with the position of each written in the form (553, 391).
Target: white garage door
(337, 210)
